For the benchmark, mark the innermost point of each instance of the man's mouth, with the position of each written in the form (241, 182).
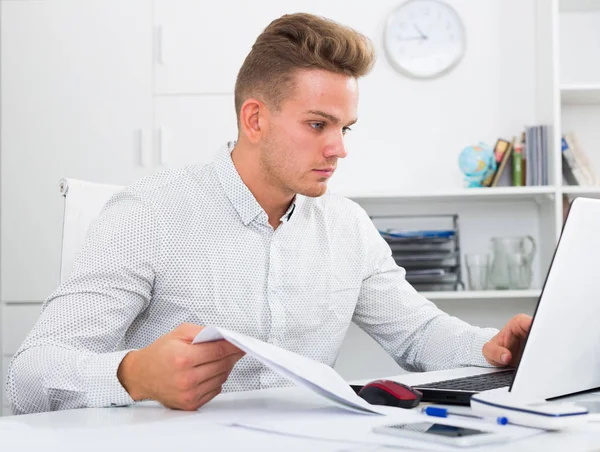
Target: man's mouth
(325, 172)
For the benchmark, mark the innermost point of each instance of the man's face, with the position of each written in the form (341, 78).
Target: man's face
(305, 138)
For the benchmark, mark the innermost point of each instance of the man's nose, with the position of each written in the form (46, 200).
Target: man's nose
(336, 149)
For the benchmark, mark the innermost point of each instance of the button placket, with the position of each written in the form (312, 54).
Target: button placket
(275, 297)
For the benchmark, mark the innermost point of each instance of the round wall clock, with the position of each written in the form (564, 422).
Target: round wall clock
(424, 38)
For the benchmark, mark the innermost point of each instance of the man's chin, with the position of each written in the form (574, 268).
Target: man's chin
(314, 191)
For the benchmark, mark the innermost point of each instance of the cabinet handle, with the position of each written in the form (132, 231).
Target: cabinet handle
(163, 158)
(142, 148)
(158, 45)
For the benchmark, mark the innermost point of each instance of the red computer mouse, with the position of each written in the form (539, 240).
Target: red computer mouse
(390, 393)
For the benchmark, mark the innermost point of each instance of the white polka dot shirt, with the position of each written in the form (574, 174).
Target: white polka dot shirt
(193, 245)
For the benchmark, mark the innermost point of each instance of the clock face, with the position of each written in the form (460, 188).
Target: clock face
(424, 38)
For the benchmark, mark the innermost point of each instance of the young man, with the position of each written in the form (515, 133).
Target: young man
(252, 243)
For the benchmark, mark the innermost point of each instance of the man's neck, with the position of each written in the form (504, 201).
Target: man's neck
(270, 198)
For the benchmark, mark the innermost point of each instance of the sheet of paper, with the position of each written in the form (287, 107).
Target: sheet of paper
(316, 376)
(336, 425)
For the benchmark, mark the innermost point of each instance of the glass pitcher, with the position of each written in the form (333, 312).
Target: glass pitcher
(511, 262)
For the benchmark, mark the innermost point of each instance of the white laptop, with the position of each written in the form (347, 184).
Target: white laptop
(562, 352)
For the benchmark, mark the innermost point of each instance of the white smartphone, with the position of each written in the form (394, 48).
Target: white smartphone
(441, 433)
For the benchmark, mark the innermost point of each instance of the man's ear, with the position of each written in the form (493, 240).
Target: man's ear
(252, 119)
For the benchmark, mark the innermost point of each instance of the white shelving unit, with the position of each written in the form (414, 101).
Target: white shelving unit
(470, 194)
(567, 97)
(579, 5)
(579, 80)
(483, 295)
(583, 94)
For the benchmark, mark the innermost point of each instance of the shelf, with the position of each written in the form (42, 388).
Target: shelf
(589, 191)
(482, 295)
(579, 5)
(580, 94)
(465, 194)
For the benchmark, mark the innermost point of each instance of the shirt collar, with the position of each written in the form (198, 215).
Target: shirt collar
(238, 193)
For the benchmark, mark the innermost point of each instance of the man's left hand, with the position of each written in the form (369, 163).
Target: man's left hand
(505, 348)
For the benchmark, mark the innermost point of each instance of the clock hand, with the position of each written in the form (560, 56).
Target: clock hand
(423, 35)
(411, 38)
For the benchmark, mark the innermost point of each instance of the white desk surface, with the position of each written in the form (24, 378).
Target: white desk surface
(150, 427)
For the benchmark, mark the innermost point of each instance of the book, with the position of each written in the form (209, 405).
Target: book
(518, 162)
(505, 158)
(581, 159)
(499, 150)
(544, 150)
(536, 155)
(570, 169)
(524, 166)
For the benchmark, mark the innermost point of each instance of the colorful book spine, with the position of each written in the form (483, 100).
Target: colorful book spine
(517, 165)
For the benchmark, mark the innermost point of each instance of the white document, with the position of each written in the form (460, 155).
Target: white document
(316, 376)
(337, 425)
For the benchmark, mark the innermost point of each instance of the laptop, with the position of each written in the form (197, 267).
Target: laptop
(561, 354)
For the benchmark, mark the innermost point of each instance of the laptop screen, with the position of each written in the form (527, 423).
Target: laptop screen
(562, 352)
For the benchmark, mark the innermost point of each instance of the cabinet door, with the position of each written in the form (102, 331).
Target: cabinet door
(5, 405)
(76, 83)
(200, 46)
(192, 129)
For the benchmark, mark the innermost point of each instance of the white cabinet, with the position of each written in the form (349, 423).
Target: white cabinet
(200, 46)
(4, 407)
(192, 129)
(76, 102)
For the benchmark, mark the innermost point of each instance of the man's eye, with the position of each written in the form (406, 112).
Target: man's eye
(346, 130)
(317, 125)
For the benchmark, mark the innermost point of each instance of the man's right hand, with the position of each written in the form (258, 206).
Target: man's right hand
(176, 373)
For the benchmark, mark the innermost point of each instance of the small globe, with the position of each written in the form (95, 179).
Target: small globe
(477, 162)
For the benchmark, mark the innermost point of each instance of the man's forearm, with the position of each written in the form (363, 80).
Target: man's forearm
(449, 342)
(49, 378)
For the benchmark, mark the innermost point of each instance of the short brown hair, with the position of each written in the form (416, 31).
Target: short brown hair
(294, 42)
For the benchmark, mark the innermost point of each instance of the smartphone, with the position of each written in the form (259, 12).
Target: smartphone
(441, 433)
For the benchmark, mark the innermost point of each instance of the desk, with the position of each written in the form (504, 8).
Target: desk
(150, 427)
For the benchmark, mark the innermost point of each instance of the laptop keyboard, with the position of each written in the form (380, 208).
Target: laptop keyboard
(475, 383)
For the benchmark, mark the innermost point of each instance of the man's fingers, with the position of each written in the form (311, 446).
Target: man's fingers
(213, 383)
(187, 331)
(203, 393)
(521, 325)
(211, 395)
(206, 371)
(189, 355)
(213, 351)
(497, 355)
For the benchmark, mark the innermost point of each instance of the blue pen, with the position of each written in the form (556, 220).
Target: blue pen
(443, 412)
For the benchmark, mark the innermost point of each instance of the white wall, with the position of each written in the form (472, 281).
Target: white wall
(488, 95)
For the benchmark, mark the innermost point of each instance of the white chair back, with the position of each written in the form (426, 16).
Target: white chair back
(83, 203)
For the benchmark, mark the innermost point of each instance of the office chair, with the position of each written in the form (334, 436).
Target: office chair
(83, 203)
